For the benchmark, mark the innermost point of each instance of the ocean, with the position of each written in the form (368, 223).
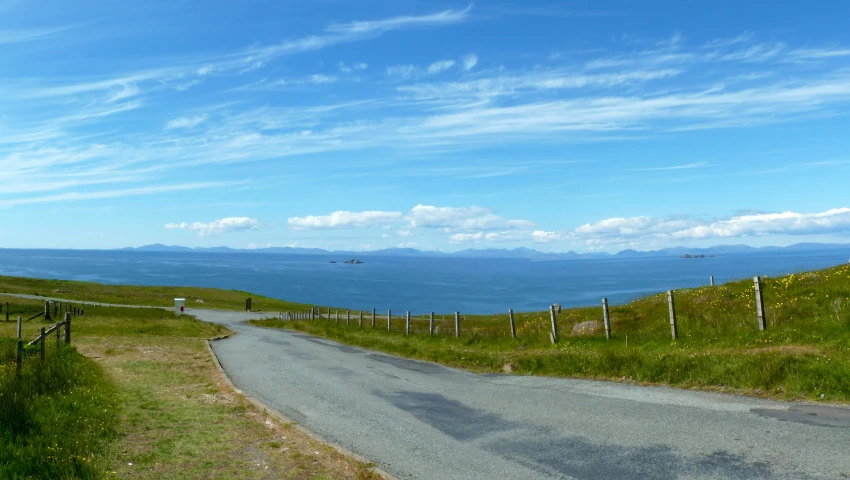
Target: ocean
(418, 284)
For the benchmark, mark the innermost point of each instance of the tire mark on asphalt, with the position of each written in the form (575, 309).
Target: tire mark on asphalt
(549, 450)
(816, 415)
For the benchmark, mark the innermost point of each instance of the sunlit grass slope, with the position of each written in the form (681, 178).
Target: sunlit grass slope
(804, 353)
(197, 297)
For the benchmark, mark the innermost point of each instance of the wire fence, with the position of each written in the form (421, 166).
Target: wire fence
(651, 316)
(27, 312)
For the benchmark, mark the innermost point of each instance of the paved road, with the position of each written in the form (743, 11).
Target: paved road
(425, 421)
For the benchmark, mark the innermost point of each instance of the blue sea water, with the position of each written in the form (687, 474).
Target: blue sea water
(421, 285)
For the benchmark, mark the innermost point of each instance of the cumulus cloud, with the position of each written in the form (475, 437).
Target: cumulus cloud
(345, 219)
(633, 227)
(461, 219)
(834, 221)
(506, 236)
(216, 227)
(466, 237)
(542, 236)
(447, 219)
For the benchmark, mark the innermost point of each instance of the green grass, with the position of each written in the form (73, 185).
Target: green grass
(196, 297)
(57, 417)
(171, 416)
(804, 353)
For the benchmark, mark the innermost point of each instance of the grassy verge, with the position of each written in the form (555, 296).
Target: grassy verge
(175, 417)
(804, 353)
(57, 417)
(138, 295)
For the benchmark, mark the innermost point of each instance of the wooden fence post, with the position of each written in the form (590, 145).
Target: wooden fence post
(606, 318)
(457, 324)
(674, 330)
(56, 309)
(348, 317)
(407, 324)
(711, 279)
(313, 313)
(42, 343)
(389, 320)
(19, 357)
(373, 318)
(248, 304)
(760, 304)
(68, 328)
(20, 320)
(360, 320)
(58, 342)
(431, 325)
(554, 335)
(513, 325)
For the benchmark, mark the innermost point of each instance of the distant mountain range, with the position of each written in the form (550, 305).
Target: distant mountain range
(521, 253)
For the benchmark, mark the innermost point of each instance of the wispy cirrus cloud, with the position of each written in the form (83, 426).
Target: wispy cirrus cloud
(113, 193)
(469, 62)
(645, 91)
(404, 21)
(58, 111)
(187, 122)
(29, 35)
(440, 66)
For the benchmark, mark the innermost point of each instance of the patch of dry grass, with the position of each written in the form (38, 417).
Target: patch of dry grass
(178, 417)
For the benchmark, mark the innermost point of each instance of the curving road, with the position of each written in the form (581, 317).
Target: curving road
(425, 421)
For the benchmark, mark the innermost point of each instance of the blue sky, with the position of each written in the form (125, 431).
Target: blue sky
(558, 126)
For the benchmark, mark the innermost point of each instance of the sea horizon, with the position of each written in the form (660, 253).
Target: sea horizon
(417, 284)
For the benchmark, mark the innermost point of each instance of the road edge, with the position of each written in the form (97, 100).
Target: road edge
(283, 418)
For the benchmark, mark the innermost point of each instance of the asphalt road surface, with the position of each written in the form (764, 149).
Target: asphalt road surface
(425, 421)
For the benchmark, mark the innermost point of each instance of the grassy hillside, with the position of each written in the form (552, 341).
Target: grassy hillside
(804, 353)
(196, 297)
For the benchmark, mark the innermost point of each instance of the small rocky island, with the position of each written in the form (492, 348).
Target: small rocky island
(688, 255)
(353, 261)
